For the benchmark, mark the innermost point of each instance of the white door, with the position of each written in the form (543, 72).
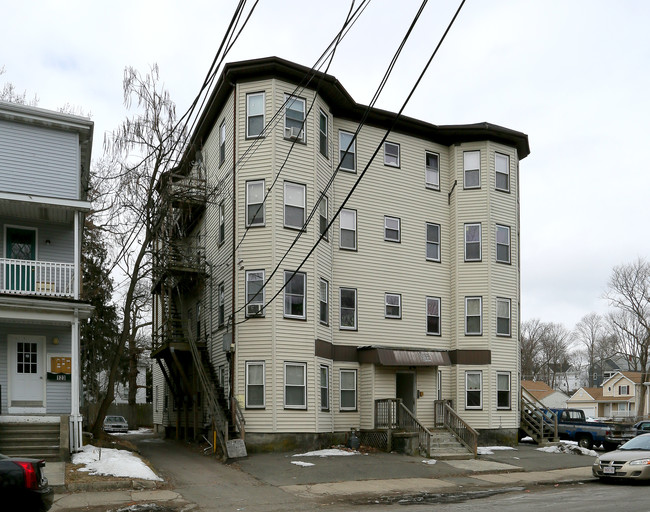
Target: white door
(27, 374)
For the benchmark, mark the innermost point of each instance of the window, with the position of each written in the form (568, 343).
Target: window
(324, 387)
(294, 294)
(503, 390)
(391, 154)
(624, 390)
(502, 168)
(391, 229)
(348, 390)
(348, 160)
(295, 389)
(348, 302)
(433, 242)
(432, 170)
(503, 244)
(255, 292)
(294, 205)
(473, 310)
(222, 304)
(255, 203)
(472, 242)
(222, 223)
(472, 169)
(503, 317)
(433, 315)
(254, 114)
(322, 132)
(222, 143)
(392, 305)
(254, 385)
(323, 296)
(473, 390)
(294, 118)
(322, 214)
(348, 223)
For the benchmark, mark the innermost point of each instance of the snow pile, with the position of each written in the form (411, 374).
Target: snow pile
(331, 452)
(301, 463)
(113, 462)
(489, 450)
(140, 431)
(568, 448)
(429, 461)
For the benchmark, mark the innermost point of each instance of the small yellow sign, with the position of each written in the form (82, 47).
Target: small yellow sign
(61, 365)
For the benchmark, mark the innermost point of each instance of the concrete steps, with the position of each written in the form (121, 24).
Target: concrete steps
(34, 440)
(445, 446)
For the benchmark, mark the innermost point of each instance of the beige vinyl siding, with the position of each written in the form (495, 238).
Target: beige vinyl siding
(324, 419)
(344, 420)
(367, 394)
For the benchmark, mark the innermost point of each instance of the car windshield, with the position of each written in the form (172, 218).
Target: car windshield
(116, 419)
(638, 443)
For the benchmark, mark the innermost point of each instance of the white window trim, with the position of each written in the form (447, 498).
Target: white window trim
(427, 242)
(386, 154)
(509, 406)
(248, 116)
(356, 307)
(346, 210)
(480, 390)
(466, 170)
(480, 316)
(263, 365)
(399, 305)
(327, 218)
(326, 302)
(497, 172)
(222, 143)
(341, 372)
(222, 223)
(288, 98)
(426, 314)
(260, 302)
(496, 240)
(326, 133)
(353, 150)
(248, 221)
(399, 229)
(427, 184)
(304, 385)
(509, 302)
(284, 204)
(480, 241)
(304, 294)
(326, 387)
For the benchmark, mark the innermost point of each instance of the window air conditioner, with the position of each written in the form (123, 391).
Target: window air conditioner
(294, 132)
(253, 309)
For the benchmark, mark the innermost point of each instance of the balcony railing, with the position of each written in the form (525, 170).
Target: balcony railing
(30, 277)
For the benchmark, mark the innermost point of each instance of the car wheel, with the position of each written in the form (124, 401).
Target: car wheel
(585, 442)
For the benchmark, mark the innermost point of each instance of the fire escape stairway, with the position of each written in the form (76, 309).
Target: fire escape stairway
(538, 421)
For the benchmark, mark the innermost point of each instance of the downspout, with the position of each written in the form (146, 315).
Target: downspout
(234, 236)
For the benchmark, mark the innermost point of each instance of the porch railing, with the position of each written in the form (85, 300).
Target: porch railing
(447, 417)
(392, 414)
(33, 277)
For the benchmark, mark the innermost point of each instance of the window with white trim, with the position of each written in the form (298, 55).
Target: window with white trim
(323, 299)
(222, 304)
(624, 390)
(392, 305)
(392, 229)
(348, 224)
(255, 203)
(324, 387)
(294, 205)
(222, 223)
(255, 292)
(433, 242)
(433, 315)
(254, 114)
(222, 143)
(255, 395)
(323, 134)
(472, 242)
(502, 168)
(503, 317)
(348, 308)
(473, 390)
(472, 169)
(432, 170)
(294, 118)
(503, 390)
(473, 315)
(391, 154)
(503, 244)
(295, 387)
(294, 294)
(348, 381)
(348, 155)
(323, 217)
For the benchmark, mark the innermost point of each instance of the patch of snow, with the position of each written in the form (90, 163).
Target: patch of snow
(429, 461)
(568, 448)
(527, 439)
(301, 463)
(113, 462)
(140, 431)
(489, 450)
(331, 452)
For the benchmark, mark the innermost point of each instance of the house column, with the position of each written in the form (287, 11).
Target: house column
(75, 417)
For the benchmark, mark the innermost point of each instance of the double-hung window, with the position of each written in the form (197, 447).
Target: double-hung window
(503, 390)
(503, 317)
(348, 307)
(473, 315)
(324, 387)
(472, 169)
(433, 242)
(503, 244)
(323, 299)
(222, 143)
(472, 242)
(392, 229)
(294, 118)
(624, 390)
(222, 304)
(348, 223)
(255, 292)
(222, 223)
(502, 168)
(348, 154)
(294, 205)
(432, 170)
(473, 390)
(433, 315)
(254, 114)
(323, 134)
(322, 216)
(294, 294)
(392, 305)
(348, 390)
(254, 384)
(295, 387)
(255, 203)
(391, 154)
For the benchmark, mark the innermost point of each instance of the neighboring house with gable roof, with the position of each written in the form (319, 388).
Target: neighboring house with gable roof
(544, 393)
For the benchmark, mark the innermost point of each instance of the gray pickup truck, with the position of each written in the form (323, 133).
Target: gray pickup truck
(572, 425)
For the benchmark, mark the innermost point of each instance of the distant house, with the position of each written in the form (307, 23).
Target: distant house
(617, 398)
(605, 368)
(569, 378)
(544, 393)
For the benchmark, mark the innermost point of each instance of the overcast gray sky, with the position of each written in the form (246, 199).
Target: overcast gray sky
(572, 74)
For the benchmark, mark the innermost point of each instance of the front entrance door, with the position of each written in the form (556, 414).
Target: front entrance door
(405, 389)
(21, 245)
(26, 373)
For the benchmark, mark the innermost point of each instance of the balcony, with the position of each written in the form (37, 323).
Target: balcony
(42, 278)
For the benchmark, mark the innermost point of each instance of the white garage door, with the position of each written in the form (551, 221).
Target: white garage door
(590, 412)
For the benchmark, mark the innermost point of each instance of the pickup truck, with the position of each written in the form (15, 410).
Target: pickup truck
(572, 425)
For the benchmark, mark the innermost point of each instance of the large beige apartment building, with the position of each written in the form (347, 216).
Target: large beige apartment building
(413, 292)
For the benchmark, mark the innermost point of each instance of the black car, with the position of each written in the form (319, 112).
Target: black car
(23, 485)
(642, 427)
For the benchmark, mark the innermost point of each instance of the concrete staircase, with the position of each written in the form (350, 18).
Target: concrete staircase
(34, 440)
(445, 446)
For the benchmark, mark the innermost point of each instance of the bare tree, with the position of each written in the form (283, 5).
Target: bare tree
(589, 331)
(9, 93)
(554, 351)
(532, 333)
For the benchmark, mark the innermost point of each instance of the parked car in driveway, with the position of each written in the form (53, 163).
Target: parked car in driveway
(642, 427)
(23, 485)
(115, 424)
(630, 460)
